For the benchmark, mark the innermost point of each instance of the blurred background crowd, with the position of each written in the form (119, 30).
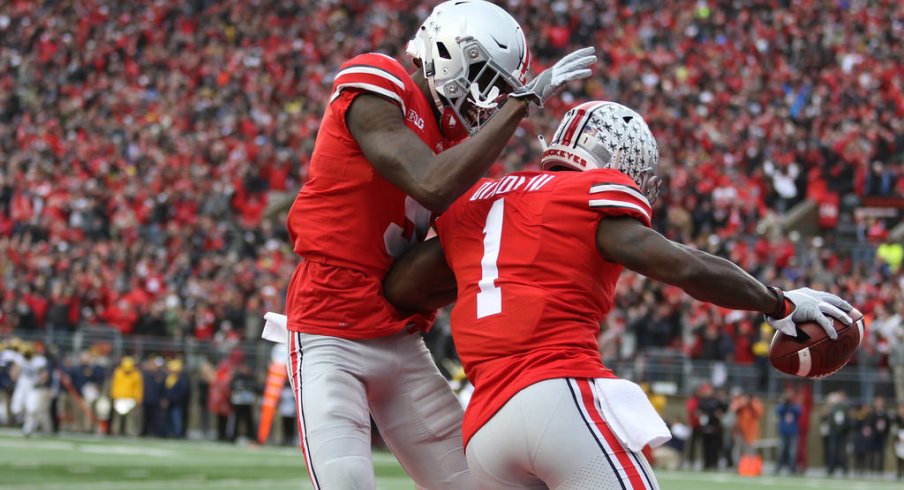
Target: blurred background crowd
(43, 389)
(141, 141)
(148, 151)
(722, 428)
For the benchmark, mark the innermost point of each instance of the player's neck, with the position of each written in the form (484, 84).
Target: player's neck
(421, 81)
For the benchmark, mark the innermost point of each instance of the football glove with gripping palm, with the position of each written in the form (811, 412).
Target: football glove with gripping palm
(574, 66)
(810, 305)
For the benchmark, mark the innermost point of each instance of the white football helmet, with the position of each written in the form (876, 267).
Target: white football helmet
(602, 134)
(471, 51)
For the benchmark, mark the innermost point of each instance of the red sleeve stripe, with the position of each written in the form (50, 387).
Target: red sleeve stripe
(620, 188)
(611, 203)
(369, 70)
(370, 88)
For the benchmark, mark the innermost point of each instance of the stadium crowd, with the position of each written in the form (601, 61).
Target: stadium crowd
(724, 427)
(140, 143)
(43, 389)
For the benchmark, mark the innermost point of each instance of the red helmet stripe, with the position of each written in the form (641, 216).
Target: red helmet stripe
(584, 109)
(525, 60)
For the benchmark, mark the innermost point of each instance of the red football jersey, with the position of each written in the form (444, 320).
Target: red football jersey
(348, 222)
(532, 288)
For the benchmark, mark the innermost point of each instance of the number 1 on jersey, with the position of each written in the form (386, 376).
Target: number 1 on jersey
(489, 299)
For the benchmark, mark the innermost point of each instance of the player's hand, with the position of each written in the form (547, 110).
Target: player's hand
(811, 305)
(574, 66)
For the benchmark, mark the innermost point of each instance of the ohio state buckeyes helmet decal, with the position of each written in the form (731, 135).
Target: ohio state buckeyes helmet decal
(602, 134)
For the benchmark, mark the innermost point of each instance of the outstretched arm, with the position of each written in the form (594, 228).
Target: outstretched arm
(420, 280)
(714, 279)
(705, 277)
(400, 156)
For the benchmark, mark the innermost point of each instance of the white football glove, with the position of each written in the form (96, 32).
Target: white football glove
(810, 305)
(572, 67)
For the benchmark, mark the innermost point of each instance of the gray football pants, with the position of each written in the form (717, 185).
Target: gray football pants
(343, 382)
(552, 434)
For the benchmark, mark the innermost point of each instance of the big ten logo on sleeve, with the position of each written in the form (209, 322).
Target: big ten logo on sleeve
(398, 239)
(511, 183)
(415, 119)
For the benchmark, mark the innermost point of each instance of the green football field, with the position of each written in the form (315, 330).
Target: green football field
(87, 463)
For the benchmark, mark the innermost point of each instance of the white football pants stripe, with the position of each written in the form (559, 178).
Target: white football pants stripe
(294, 362)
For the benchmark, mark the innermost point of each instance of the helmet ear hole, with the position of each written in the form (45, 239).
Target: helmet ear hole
(443, 51)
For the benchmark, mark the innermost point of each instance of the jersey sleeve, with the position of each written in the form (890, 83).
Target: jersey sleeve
(613, 194)
(371, 72)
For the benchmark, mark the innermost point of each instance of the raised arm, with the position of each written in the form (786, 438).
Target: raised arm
(420, 280)
(400, 156)
(703, 276)
(435, 181)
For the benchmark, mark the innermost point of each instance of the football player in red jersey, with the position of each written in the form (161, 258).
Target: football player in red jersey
(383, 162)
(532, 261)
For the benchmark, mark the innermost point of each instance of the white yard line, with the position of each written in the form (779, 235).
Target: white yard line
(102, 448)
(33, 444)
(133, 485)
(127, 451)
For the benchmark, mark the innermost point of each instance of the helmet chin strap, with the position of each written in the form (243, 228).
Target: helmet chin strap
(437, 101)
(448, 122)
(417, 48)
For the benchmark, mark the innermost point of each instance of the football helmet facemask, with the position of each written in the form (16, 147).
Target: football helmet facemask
(472, 53)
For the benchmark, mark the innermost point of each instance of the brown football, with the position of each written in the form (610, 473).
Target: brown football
(812, 354)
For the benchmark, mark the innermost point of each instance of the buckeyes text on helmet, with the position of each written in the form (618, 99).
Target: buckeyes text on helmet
(472, 52)
(601, 134)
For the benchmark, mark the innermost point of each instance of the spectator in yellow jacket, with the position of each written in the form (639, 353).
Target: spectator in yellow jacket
(126, 390)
